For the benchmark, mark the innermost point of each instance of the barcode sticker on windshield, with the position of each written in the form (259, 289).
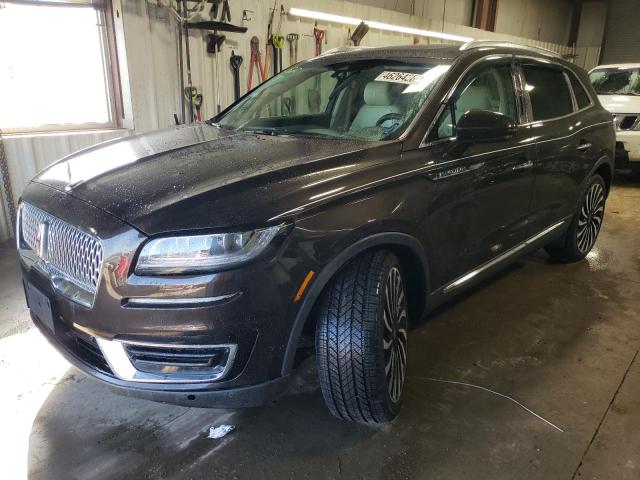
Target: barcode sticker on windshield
(398, 77)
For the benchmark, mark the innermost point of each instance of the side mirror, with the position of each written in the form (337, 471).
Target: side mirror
(484, 126)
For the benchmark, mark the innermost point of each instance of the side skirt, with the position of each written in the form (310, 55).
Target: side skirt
(473, 277)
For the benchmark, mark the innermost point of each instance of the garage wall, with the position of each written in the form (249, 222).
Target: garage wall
(150, 37)
(592, 23)
(622, 33)
(544, 20)
(451, 11)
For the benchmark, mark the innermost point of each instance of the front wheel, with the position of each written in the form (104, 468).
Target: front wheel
(361, 339)
(585, 226)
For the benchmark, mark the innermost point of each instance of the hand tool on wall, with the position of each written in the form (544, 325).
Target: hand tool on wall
(190, 94)
(292, 38)
(277, 42)
(214, 46)
(222, 25)
(235, 61)
(214, 42)
(183, 106)
(319, 36)
(268, 44)
(188, 55)
(314, 96)
(226, 11)
(198, 104)
(256, 62)
(359, 33)
(217, 26)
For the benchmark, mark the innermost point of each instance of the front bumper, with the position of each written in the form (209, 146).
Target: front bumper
(189, 395)
(242, 317)
(628, 146)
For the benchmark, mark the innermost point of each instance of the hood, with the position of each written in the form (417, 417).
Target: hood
(200, 176)
(620, 103)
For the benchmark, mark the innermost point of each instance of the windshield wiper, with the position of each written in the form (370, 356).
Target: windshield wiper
(262, 131)
(217, 125)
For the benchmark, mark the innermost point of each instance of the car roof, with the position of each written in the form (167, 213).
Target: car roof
(439, 52)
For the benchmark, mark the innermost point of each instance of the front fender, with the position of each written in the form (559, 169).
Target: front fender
(391, 240)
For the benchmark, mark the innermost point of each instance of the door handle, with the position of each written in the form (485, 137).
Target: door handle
(584, 146)
(523, 165)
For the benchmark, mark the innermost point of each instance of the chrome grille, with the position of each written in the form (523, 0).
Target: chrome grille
(67, 250)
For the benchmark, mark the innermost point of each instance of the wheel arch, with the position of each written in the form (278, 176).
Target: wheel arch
(414, 264)
(604, 168)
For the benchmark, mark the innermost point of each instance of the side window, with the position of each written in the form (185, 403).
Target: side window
(490, 88)
(548, 92)
(578, 91)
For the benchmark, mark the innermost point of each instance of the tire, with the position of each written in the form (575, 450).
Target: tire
(583, 232)
(361, 358)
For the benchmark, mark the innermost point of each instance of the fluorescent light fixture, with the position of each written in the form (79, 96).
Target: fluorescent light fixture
(328, 17)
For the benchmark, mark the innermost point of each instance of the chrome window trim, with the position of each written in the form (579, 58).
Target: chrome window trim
(433, 164)
(517, 60)
(574, 102)
(564, 69)
(118, 359)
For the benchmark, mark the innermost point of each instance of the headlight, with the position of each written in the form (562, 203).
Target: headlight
(200, 253)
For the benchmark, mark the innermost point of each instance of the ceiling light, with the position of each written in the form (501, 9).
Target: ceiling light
(328, 17)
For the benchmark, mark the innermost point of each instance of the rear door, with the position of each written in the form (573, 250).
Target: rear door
(563, 137)
(483, 188)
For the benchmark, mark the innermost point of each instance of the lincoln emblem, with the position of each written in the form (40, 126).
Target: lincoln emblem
(41, 240)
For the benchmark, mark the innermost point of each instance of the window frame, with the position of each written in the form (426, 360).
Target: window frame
(109, 53)
(566, 71)
(499, 59)
(570, 73)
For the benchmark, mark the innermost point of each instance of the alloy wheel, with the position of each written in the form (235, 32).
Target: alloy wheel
(590, 219)
(395, 334)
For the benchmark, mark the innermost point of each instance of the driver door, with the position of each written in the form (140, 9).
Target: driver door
(484, 187)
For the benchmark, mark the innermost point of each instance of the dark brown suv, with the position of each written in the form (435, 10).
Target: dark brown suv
(332, 205)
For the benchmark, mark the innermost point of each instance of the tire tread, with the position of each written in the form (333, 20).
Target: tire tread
(349, 372)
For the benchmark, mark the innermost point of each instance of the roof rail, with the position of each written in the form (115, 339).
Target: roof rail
(344, 49)
(502, 43)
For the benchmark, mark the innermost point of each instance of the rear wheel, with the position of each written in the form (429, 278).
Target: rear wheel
(585, 226)
(361, 339)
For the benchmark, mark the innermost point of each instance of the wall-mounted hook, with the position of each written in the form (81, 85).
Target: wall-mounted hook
(245, 16)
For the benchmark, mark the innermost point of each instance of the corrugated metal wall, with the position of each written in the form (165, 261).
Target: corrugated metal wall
(622, 33)
(151, 45)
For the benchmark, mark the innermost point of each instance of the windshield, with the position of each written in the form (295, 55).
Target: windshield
(367, 100)
(616, 81)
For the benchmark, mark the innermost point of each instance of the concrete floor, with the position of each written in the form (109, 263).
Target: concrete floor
(562, 340)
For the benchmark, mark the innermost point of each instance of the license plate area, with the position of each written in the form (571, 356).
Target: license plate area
(40, 305)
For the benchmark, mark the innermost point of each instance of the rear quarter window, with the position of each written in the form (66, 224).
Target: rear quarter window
(548, 91)
(582, 98)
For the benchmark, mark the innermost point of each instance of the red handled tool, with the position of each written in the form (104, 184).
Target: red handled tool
(256, 62)
(319, 36)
